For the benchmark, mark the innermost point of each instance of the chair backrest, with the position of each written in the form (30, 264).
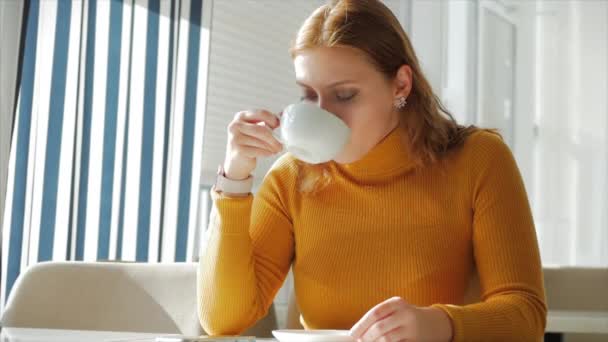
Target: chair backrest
(576, 288)
(138, 297)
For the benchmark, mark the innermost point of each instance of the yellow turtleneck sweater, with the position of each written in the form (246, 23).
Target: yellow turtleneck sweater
(381, 228)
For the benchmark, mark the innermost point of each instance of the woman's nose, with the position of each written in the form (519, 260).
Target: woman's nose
(323, 104)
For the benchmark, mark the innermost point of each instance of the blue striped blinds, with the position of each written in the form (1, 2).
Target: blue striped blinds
(106, 151)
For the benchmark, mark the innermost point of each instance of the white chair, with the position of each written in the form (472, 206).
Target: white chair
(578, 289)
(130, 297)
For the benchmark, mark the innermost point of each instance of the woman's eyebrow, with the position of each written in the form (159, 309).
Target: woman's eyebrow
(329, 86)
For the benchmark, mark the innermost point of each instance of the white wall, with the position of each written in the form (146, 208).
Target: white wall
(460, 72)
(571, 177)
(525, 96)
(10, 31)
(561, 121)
(444, 36)
(428, 38)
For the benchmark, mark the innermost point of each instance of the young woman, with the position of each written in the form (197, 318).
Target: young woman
(383, 238)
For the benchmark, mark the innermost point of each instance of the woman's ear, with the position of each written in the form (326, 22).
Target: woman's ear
(403, 81)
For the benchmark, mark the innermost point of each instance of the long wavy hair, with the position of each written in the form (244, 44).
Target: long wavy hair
(368, 25)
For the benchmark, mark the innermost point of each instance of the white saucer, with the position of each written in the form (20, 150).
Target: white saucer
(295, 335)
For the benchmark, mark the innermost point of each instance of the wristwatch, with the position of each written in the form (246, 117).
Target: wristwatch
(231, 186)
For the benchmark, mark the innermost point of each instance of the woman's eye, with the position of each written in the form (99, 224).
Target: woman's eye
(345, 95)
(308, 97)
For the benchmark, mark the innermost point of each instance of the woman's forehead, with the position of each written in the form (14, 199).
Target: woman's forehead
(328, 65)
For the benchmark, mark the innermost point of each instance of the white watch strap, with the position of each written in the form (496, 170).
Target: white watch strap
(232, 186)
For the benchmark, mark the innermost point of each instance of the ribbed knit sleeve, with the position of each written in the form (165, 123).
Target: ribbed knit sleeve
(247, 255)
(506, 253)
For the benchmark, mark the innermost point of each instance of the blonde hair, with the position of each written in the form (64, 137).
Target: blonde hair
(368, 25)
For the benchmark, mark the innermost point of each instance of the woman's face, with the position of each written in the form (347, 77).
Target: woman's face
(343, 81)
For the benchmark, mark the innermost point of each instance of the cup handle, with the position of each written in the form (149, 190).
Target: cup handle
(277, 131)
(277, 134)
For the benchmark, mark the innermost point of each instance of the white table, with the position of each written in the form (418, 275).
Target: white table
(593, 322)
(558, 323)
(57, 335)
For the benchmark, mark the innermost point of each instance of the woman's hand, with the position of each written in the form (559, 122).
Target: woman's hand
(396, 320)
(249, 137)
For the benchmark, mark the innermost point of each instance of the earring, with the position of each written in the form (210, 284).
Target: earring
(401, 102)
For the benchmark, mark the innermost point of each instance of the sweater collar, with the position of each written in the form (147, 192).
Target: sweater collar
(390, 157)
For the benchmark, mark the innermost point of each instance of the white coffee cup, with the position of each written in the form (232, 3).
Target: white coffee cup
(311, 133)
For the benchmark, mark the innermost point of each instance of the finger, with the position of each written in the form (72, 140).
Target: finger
(398, 334)
(377, 313)
(247, 140)
(382, 327)
(259, 132)
(259, 115)
(254, 152)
